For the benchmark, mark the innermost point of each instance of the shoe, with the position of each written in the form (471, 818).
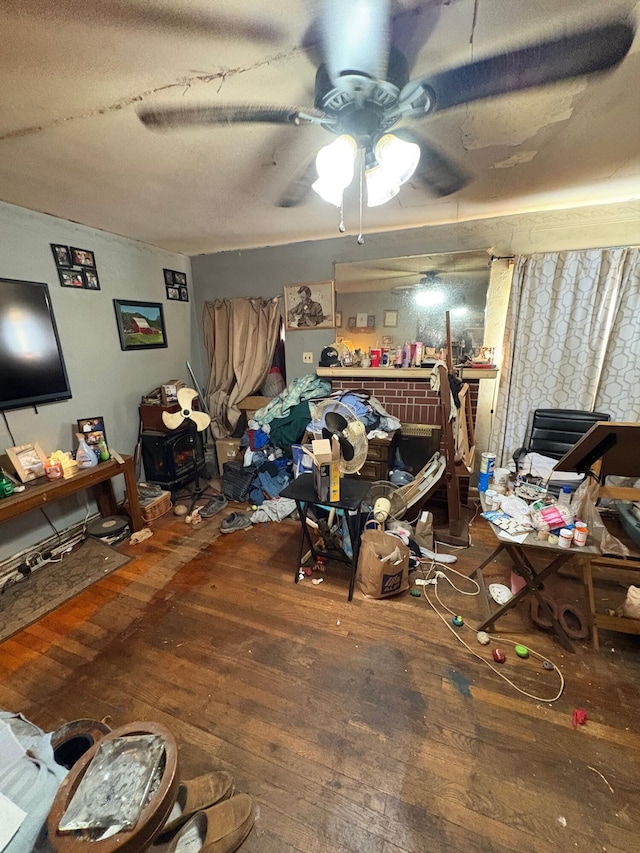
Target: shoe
(214, 506)
(235, 521)
(198, 794)
(220, 829)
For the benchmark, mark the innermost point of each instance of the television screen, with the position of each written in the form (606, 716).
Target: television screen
(32, 368)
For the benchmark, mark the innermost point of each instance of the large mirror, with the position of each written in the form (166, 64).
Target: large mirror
(385, 303)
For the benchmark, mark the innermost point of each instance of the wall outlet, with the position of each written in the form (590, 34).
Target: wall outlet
(307, 357)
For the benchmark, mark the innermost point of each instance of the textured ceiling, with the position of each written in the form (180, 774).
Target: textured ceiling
(73, 71)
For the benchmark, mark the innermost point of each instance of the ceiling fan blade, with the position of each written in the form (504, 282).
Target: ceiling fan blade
(167, 17)
(185, 397)
(355, 37)
(584, 52)
(435, 170)
(202, 115)
(172, 420)
(201, 420)
(299, 188)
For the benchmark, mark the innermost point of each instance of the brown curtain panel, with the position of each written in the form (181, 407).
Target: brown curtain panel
(240, 337)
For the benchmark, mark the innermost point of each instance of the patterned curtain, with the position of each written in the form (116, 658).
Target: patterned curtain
(619, 387)
(560, 313)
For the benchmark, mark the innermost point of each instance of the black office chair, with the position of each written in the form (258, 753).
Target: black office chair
(554, 432)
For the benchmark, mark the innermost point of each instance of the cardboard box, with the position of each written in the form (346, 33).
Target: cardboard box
(326, 469)
(250, 405)
(228, 450)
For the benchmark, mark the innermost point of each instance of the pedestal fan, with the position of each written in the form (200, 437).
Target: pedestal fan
(196, 422)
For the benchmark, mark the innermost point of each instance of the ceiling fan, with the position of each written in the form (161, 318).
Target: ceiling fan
(363, 93)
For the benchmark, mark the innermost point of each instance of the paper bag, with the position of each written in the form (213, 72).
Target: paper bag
(424, 531)
(379, 577)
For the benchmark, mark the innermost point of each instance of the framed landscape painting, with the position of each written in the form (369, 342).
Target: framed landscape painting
(140, 324)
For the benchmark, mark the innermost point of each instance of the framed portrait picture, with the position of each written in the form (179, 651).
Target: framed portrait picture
(390, 319)
(172, 292)
(82, 257)
(371, 321)
(28, 460)
(168, 276)
(180, 278)
(91, 280)
(140, 324)
(184, 294)
(62, 255)
(361, 320)
(309, 306)
(93, 430)
(338, 319)
(70, 278)
(351, 322)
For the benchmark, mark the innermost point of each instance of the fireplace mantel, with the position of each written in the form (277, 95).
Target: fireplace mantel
(412, 373)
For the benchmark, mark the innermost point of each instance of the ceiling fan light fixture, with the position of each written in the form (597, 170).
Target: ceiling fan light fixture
(335, 165)
(427, 298)
(381, 186)
(397, 157)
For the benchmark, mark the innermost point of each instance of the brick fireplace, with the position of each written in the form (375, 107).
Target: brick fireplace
(408, 398)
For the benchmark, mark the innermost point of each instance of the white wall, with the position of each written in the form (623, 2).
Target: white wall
(104, 380)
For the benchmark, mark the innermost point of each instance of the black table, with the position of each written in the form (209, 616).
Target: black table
(352, 493)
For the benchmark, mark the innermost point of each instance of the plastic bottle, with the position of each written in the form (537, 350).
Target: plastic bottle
(6, 486)
(564, 498)
(406, 354)
(103, 450)
(85, 456)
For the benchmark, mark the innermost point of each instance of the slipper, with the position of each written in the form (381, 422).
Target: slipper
(198, 794)
(220, 829)
(538, 616)
(573, 620)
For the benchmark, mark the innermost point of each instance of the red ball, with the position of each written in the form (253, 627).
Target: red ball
(499, 656)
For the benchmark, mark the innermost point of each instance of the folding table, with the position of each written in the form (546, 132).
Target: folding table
(352, 493)
(520, 554)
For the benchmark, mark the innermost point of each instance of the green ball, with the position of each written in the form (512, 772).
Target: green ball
(522, 651)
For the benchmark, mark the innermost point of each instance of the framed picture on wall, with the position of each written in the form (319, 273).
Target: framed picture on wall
(309, 306)
(62, 255)
(338, 319)
(82, 257)
(140, 324)
(173, 292)
(351, 323)
(390, 319)
(91, 280)
(70, 278)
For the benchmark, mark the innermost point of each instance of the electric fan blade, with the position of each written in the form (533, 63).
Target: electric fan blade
(435, 170)
(185, 398)
(172, 420)
(355, 37)
(584, 52)
(203, 115)
(335, 422)
(201, 420)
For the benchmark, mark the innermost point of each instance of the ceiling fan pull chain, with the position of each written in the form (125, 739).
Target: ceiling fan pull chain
(341, 227)
(360, 240)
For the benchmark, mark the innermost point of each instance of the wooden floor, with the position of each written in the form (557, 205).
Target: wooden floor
(359, 727)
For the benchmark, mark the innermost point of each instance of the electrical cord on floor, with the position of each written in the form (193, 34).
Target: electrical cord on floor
(433, 575)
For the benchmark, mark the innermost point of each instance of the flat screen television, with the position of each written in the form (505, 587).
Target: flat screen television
(32, 368)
